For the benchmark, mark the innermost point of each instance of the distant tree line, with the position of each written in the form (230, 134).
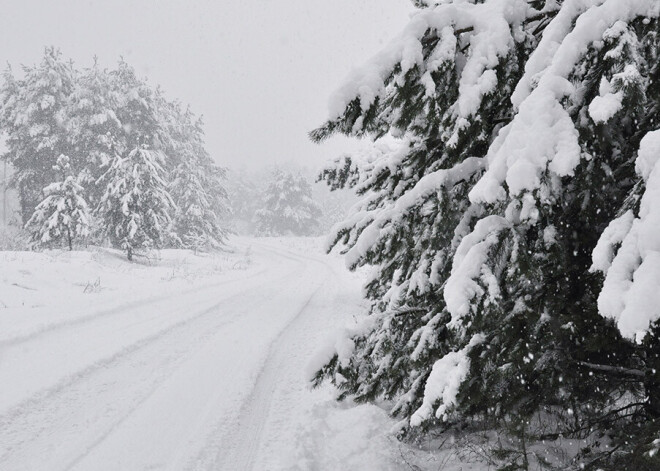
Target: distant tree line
(100, 155)
(283, 201)
(288, 207)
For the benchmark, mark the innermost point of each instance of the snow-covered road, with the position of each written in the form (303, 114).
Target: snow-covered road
(203, 376)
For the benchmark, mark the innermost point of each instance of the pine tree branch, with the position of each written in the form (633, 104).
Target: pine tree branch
(614, 369)
(589, 424)
(539, 17)
(408, 310)
(602, 456)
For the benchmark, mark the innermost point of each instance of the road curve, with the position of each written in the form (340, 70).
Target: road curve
(180, 381)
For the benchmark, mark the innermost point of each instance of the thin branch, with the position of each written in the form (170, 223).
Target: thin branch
(603, 455)
(614, 369)
(589, 425)
(408, 310)
(531, 19)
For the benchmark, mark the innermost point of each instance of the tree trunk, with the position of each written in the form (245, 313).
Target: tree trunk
(652, 378)
(68, 235)
(129, 254)
(653, 390)
(652, 387)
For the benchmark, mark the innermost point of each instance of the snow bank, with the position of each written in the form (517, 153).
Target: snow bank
(345, 436)
(31, 283)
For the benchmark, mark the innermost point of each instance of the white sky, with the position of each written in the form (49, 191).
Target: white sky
(260, 71)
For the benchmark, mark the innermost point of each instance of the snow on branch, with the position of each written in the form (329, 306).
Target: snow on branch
(469, 265)
(443, 383)
(490, 38)
(542, 135)
(425, 187)
(630, 292)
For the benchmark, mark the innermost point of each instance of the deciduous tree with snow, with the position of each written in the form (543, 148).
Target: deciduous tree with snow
(506, 137)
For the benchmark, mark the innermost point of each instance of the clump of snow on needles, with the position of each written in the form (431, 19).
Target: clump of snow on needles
(491, 39)
(603, 107)
(542, 134)
(446, 377)
(469, 263)
(630, 292)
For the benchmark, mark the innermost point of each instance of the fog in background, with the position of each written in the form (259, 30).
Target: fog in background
(259, 71)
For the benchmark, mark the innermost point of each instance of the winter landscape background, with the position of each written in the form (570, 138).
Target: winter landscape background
(380, 235)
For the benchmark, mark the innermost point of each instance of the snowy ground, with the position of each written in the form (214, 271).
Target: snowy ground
(186, 362)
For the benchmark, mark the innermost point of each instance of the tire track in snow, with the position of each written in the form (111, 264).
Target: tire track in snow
(43, 370)
(121, 419)
(126, 350)
(117, 310)
(168, 318)
(48, 403)
(78, 414)
(177, 461)
(239, 446)
(46, 398)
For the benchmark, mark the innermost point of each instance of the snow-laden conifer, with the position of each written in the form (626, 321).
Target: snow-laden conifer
(33, 115)
(97, 117)
(288, 207)
(195, 183)
(63, 215)
(92, 127)
(136, 207)
(505, 139)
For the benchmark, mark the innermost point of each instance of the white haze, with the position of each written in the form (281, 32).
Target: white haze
(259, 71)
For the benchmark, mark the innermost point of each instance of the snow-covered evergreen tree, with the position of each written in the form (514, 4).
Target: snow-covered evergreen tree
(98, 118)
(244, 199)
(288, 207)
(92, 128)
(506, 135)
(136, 206)
(64, 214)
(32, 115)
(196, 183)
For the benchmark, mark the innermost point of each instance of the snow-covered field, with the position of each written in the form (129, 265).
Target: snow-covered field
(182, 362)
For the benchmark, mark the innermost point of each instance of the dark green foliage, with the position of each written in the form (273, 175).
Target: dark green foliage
(532, 300)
